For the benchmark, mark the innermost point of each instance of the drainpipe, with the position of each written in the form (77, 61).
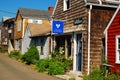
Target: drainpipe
(106, 45)
(23, 26)
(75, 52)
(89, 25)
(23, 22)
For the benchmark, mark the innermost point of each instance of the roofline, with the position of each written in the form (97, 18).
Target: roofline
(102, 5)
(41, 35)
(36, 18)
(54, 8)
(111, 19)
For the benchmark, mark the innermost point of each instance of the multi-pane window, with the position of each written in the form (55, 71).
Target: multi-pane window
(19, 26)
(35, 21)
(66, 5)
(118, 49)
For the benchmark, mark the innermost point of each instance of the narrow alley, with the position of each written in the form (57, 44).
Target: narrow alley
(14, 70)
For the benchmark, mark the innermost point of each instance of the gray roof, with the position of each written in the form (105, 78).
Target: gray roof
(37, 14)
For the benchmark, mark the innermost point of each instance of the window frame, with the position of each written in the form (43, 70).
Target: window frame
(65, 5)
(19, 25)
(117, 49)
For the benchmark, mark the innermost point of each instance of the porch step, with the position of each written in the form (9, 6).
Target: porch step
(72, 74)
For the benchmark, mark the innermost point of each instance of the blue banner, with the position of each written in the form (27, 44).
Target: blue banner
(58, 27)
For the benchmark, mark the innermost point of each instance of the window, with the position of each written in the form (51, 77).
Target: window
(11, 25)
(42, 46)
(35, 21)
(118, 49)
(66, 5)
(41, 50)
(19, 26)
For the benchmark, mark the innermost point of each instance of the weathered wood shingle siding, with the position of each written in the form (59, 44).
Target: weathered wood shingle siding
(100, 16)
(18, 34)
(113, 30)
(77, 10)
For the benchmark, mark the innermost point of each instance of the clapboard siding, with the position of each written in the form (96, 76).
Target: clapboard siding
(113, 30)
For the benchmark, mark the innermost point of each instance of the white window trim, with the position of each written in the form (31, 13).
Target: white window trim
(117, 53)
(65, 5)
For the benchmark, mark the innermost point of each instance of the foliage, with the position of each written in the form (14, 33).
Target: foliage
(31, 56)
(56, 68)
(99, 74)
(58, 55)
(2, 50)
(43, 65)
(15, 54)
(68, 64)
(113, 77)
(57, 65)
(72, 78)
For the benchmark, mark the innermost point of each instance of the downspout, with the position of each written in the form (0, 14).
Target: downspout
(89, 25)
(106, 45)
(23, 26)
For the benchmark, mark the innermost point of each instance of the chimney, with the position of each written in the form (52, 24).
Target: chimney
(50, 8)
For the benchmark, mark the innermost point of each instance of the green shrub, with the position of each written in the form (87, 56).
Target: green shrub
(2, 50)
(56, 68)
(15, 54)
(43, 65)
(99, 74)
(58, 55)
(68, 64)
(72, 78)
(50, 66)
(56, 65)
(113, 77)
(31, 56)
(96, 74)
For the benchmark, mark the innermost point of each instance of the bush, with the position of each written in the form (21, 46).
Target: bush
(113, 77)
(15, 54)
(2, 50)
(56, 68)
(99, 74)
(58, 55)
(68, 64)
(50, 66)
(31, 56)
(43, 65)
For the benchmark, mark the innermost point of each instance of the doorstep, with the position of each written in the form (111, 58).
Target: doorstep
(71, 74)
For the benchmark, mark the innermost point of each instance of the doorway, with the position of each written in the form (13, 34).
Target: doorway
(79, 52)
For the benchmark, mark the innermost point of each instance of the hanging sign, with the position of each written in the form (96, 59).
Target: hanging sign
(57, 27)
